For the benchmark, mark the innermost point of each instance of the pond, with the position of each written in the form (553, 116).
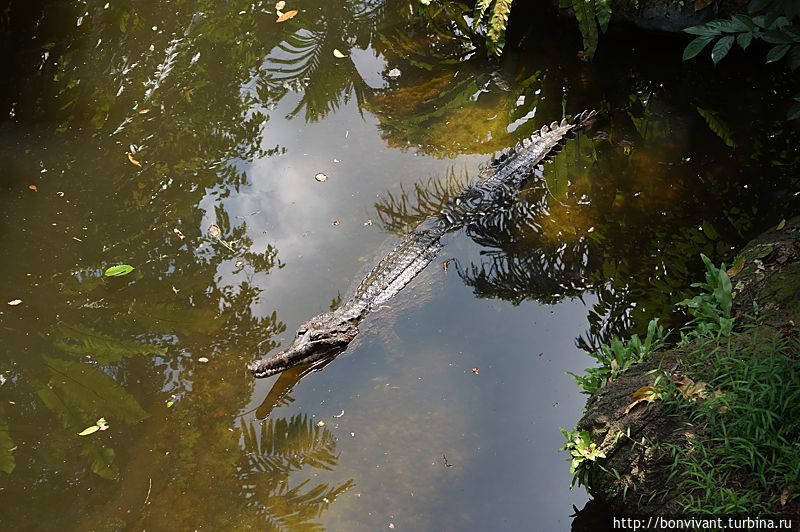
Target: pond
(186, 139)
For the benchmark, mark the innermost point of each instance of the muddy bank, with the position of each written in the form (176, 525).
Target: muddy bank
(635, 475)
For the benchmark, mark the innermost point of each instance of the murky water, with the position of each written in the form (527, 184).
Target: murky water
(129, 129)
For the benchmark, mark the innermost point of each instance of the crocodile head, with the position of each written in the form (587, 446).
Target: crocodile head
(319, 338)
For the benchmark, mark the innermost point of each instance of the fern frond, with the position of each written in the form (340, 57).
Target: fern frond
(480, 11)
(496, 32)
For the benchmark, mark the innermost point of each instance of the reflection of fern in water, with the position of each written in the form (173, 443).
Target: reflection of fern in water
(281, 447)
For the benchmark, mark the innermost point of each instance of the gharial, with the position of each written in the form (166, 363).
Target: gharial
(328, 334)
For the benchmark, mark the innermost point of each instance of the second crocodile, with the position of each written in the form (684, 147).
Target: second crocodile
(327, 335)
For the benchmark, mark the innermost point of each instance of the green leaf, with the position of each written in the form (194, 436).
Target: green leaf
(702, 30)
(585, 15)
(778, 37)
(118, 270)
(89, 430)
(743, 23)
(777, 52)
(603, 10)
(744, 39)
(722, 48)
(695, 47)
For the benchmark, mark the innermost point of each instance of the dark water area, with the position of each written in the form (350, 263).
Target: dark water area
(131, 131)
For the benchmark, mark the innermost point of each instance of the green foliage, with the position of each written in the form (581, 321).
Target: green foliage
(711, 309)
(590, 14)
(617, 357)
(747, 460)
(777, 25)
(583, 452)
(495, 14)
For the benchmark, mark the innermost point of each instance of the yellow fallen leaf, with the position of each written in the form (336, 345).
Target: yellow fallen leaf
(133, 161)
(737, 266)
(781, 225)
(645, 394)
(144, 111)
(337, 53)
(691, 390)
(286, 16)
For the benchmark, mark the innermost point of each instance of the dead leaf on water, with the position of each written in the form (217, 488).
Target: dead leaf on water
(781, 225)
(280, 5)
(60, 194)
(215, 231)
(645, 394)
(321, 177)
(33, 187)
(175, 290)
(337, 53)
(335, 222)
(737, 266)
(133, 161)
(475, 371)
(178, 233)
(286, 16)
(15, 302)
(144, 111)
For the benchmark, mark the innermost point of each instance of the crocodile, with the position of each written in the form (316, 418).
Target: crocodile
(325, 336)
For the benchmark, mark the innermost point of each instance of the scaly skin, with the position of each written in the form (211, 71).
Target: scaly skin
(323, 337)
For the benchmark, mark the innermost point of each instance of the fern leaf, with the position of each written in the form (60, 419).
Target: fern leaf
(481, 6)
(496, 32)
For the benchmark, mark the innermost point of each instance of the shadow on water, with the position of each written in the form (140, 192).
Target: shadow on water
(127, 131)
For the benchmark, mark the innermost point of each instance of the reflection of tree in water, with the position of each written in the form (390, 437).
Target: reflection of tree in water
(275, 449)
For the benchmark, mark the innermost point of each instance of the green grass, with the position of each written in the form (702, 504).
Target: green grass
(749, 452)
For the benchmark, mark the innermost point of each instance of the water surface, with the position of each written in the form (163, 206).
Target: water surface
(129, 129)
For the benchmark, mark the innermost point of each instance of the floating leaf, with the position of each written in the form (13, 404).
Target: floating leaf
(119, 270)
(645, 394)
(781, 225)
(280, 5)
(475, 371)
(286, 16)
(321, 177)
(89, 430)
(178, 233)
(144, 111)
(337, 53)
(133, 161)
(215, 231)
(204, 360)
(335, 222)
(33, 187)
(15, 302)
